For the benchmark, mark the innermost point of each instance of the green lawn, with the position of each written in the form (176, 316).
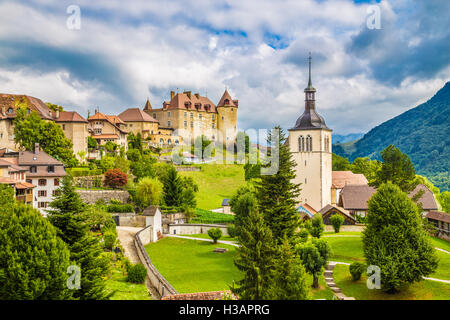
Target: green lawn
(125, 290)
(205, 236)
(207, 216)
(216, 182)
(440, 243)
(191, 266)
(423, 290)
(443, 270)
(346, 249)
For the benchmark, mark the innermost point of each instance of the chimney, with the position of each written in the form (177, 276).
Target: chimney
(188, 93)
(172, 94)
(36, 148)
(57, 114)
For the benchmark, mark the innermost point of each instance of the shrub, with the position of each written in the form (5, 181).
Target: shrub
(356, 270)
(232, 230)
(109, 239)
(316, 226)
(137, 273)
(120, 208)
(215, 234)
(115, 178)
(303, 235)
(115, 201)
(337, 221)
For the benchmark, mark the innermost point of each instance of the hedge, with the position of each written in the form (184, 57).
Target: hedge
(119, 208)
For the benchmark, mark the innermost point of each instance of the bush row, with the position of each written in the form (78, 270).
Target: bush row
(119, 208)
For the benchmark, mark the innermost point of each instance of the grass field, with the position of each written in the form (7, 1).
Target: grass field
(205, 236)
(125, 290)
(216, 182)
(206, 270)
(423, 290)
(206, 216)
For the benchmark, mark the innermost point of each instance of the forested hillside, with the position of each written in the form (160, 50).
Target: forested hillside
(422, 132)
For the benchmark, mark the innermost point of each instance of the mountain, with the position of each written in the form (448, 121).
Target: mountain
(339, 138)
(422, 132)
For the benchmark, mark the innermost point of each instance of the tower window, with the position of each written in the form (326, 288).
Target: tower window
(301, 144)
(308, 143)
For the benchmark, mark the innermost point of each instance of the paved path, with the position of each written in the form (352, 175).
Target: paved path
(126, 237)
(203, 239)
(445, 251)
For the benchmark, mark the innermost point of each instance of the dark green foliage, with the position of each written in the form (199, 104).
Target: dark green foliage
(340, 163)
(397, 168)
(33, 259)
(252, 171)
(290, 276)
(7, 200)
(232, 230)
(337, 221)
(137, 273)
(276, 194)
(120, 208)
(135, 141)
(92, 143)
(395, 240)
(303, 235)
(369, 168)
(173, 188)
(30, 129)
(422, 132)
(143, 168)
(109, 239)
(314, 256)
(188, 198)
(242, 203)
(316, 226)
(444, 200)
(356, 270)
(215, 234)
(255, 258)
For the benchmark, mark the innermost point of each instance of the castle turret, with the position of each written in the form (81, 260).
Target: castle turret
(227, 117)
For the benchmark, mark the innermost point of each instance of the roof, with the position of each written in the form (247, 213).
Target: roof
(306, 208)
(8, 101)
(12, 166)
(342, 178)
(188, 101)
(438, 215)
(226, 96)
(329, 207)
(70, 116)
(226, 202)
(136, 115)
(427, 199)
(356, 197)
(24, 185)
(42, 158)
(151, 211)
(105, 136)
(113, 120)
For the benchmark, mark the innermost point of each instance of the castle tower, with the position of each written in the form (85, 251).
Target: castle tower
(227, 118)
(310, 145)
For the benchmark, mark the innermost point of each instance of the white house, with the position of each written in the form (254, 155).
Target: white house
(153, 217)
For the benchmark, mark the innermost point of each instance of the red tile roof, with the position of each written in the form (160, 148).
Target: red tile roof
(70, 116)
(226, 96)
(8, 101)
(342, 178)
(438, 215)
(136, 115)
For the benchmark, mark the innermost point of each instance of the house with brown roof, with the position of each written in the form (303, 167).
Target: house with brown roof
(74, 125)
(192, 115)
(43, 171)
(339, 179)
(15, 176)
(104, 128)
(354, 198)
(329, 210)
(441, 221)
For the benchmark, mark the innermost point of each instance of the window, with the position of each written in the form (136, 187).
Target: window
(192, 124)
(98, 131)
(42, 193)
(213, 116)
(42, 204)
(185, 124)
(161, 141)
(56, 193)
(192, 115)
(199, 116)
(308, 143)
(51, 169)
(169, 141)
(64, 127)
(301, 144)
(10, 110)
(29, 181)
(42, 182)
(168, 114)
(185, 114)
(56, 182)
(213, 125)
(168, 123)
(222, 117)
(154, 115)
(33, 169)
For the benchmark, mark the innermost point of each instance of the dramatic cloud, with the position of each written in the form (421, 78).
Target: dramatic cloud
(128, 51)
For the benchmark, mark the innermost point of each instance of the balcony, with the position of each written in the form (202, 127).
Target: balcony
(25, 198)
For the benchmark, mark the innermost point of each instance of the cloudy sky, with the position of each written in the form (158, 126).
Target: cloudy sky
(124, 52)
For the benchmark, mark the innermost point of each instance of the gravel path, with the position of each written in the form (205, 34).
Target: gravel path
(126, 237)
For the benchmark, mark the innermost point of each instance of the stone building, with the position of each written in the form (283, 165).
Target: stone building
(75, 128)
(192, 115)
(310, 144)
(15, 176)
(104, 128)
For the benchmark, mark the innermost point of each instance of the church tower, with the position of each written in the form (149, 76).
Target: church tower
(227, 118)
(310, 145)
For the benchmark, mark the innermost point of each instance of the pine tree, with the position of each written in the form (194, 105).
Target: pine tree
(290, 276)
(314, 255)
(276, 193)
(33, 259)
(395, 240)
(255, 259)
(173, 188)
(85, 250)
(242, 203)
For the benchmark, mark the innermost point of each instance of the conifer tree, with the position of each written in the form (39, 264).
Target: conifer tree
(33, 259)
(255, 259)
(276, 193)
(395, 240)
(173, 188)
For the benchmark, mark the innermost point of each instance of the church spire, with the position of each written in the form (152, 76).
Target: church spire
(309, 91)
(309, 81)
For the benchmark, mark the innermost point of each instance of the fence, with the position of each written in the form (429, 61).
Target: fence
(163, 287)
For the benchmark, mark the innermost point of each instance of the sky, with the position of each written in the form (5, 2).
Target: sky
(121, 53)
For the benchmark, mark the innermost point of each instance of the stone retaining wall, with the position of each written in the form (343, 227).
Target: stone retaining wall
(163, 287)
(347, 228)
(92, 196)
(130, 219)
(187, 228)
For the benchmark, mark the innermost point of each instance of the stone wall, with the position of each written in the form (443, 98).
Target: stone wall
(182, 168)
(92, 196)
(163, 287)
(130, 220)
(188, 228)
